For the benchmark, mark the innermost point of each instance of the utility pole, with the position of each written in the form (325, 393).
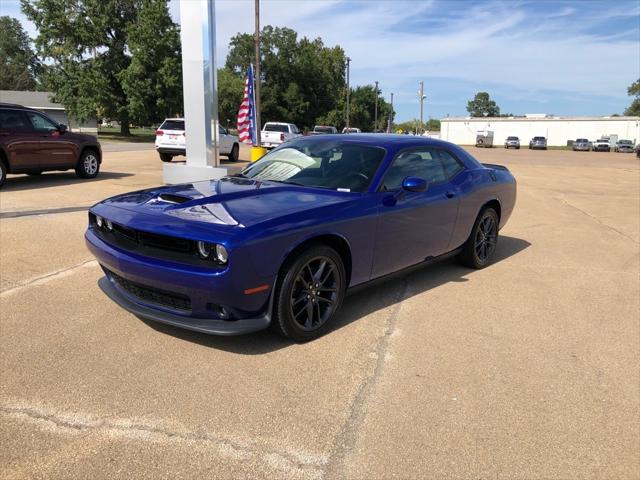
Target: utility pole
(348, 88)
(421, 97)
(375, 115)
(390, 115)
(257, 74)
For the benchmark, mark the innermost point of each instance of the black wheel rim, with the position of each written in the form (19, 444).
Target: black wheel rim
(314, 293)
(486, 238)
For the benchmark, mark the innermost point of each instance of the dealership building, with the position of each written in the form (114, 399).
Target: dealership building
(557, 130)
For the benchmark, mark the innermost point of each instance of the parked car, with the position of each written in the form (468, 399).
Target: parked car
(351, 130)
(32, 143)
(624, 146)
(538, 143)
(324, 130)
(601, 145)
(512, 142)
(171, 141)
(275, 133)
(281, 242)
(581, 145)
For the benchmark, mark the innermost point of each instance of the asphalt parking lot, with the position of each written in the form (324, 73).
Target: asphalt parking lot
(527, 369)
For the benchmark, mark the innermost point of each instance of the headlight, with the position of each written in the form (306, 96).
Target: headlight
(221, 254)
(204, 249)
(109, 224)
(99, 221)
(212, 251)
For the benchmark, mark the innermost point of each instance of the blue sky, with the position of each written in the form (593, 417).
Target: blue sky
(562, 57)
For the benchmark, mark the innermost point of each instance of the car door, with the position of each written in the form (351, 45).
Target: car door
(414, 226)
(20, 140)
(55, 149)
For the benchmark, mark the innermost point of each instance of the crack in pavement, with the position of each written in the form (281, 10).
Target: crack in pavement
(348, 436)
(74, 423)
(47, 278)
(597, 220)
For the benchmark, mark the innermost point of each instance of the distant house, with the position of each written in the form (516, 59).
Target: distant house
(42, 101)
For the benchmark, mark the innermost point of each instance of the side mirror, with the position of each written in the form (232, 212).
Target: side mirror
(414, 184)
(62, 128)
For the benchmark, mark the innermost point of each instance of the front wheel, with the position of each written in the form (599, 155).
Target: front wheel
(479, 248)
(308, 293)
(234, 154)
(88, 166)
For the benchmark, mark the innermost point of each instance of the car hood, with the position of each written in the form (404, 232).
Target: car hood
(230, 201)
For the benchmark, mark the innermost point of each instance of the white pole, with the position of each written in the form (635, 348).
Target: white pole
(200, 93)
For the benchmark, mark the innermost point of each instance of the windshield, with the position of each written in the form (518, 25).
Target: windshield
(582, 140)
(274, 127)
(331, 164)
(512, 138)
(323, 129)
(625, 142)
(538, 139)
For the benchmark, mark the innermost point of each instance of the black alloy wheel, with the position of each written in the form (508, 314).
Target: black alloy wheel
(481, 245)
(309, 293)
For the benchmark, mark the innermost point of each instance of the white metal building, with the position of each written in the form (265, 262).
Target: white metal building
(42, 101)
(557, 130)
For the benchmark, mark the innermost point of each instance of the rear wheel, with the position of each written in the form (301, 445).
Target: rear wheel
(234, 154)
(88, 166)
(309, 293)
(481, 245)
(166, 157)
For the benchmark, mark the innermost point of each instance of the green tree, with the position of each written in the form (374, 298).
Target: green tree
(634, 91)
(301, 79)
(153, 80)
(361, 110)
(19, 66)
(105, 58)
(483, 106)
(433, 125)
(230, 93)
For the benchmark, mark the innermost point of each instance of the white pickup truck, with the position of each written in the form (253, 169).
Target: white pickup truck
(275, 133)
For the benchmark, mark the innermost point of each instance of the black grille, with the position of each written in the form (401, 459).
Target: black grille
(175, 301)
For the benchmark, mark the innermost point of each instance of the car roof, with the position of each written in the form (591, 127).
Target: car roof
(380, 139)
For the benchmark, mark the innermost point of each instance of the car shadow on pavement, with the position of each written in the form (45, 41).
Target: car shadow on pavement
(356, 306)
(54, 179)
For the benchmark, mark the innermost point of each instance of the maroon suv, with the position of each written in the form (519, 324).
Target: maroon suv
(30, 142)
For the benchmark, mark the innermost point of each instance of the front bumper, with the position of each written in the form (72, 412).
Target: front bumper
(214, 302)
(202, 325)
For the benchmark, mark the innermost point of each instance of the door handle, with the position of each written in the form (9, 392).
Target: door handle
(450, 194)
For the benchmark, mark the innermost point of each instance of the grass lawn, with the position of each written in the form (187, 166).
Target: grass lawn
(138, 135)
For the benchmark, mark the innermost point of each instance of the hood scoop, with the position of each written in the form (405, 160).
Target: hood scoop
(171, 198)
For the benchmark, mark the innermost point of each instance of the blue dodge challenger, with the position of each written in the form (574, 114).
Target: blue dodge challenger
(280, 243)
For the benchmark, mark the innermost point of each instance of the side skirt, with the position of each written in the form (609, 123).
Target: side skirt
(405, 271)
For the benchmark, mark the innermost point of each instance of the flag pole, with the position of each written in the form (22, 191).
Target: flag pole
(256, 77)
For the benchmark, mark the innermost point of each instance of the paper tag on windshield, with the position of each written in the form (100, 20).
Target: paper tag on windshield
(343, 189)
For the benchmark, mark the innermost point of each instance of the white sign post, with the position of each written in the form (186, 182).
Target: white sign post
(200, 92)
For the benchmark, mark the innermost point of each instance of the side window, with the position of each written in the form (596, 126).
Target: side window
(450, 164)
(435, 166)
(13, 120)
(41, 123)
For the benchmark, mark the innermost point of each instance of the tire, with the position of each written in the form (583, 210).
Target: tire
(166, 157)
(301, 310)
(517, 148)
(89, 165)
(3, 172)
(235, 153)
(477, 252)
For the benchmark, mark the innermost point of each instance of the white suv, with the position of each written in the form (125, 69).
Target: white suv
(170, 140)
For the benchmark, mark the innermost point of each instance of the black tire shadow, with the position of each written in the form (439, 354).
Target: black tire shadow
(355, 306)
(54, 179)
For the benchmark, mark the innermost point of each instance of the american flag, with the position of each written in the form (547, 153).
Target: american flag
(247, 112)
